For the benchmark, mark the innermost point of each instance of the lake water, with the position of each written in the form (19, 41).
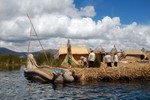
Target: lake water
(13, 86)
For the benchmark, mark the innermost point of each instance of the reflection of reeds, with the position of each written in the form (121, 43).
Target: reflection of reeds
(123, 72)
(9, 67)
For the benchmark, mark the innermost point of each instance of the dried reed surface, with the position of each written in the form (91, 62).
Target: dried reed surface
(129, 71)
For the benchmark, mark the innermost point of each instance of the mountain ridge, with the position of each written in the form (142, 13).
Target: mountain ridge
(5, 51)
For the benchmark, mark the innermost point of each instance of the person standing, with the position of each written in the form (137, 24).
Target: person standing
(115, 60)
(108, 60)
(91, 59)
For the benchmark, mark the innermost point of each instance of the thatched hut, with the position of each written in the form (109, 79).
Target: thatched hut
(69, 60)
(100, 53)
(133, 55)
(148, 55)
(113, 51)
(77, 52)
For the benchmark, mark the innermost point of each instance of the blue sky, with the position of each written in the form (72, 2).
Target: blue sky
(128, 10)
(90, 23)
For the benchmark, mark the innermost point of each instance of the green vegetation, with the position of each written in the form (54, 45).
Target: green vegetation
(10, 61)
(41, 60)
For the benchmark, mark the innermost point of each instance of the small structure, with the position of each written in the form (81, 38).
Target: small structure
(77, 52)
(133, 55)
(100, 53)
(70, 55)
(113, 51)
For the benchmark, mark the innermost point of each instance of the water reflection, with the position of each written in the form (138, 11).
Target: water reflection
(9, 68)
(13, 86)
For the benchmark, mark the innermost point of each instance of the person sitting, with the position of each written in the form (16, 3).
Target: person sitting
(84, 61)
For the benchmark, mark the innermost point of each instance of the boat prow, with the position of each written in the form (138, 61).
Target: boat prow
(37, 73)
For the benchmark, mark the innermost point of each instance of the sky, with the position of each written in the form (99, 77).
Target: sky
(90, 23)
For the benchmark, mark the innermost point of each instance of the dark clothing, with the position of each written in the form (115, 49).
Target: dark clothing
(91, 63)
(109, 64)
(85, 64)
(115, 64)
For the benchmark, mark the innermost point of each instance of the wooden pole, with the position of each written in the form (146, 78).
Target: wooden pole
(29, 41)
(38, 38)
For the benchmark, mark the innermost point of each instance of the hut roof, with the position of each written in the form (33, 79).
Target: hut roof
(133, 52)
(113, 51)
(74, 50)
(100, 50)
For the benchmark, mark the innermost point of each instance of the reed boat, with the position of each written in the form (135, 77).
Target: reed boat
(46, 74)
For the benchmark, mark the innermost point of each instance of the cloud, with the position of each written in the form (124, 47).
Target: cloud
(59, 20)
(14, 30)
(88, 11)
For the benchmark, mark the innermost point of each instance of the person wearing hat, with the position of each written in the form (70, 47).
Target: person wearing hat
(84, 61)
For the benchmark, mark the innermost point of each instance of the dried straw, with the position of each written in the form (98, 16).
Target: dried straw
(130, 71)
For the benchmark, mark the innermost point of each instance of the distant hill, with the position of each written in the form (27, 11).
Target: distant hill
(52, 51)
(4, 51)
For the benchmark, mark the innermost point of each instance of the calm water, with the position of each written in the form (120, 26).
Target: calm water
(13, 86)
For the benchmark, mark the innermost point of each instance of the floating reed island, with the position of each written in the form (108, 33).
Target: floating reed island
(125, 72)
(130, 67)
(133, 65)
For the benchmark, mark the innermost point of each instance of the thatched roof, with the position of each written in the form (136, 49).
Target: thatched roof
(74, 50)
(113, 51)
(133, 52)
(100, 50)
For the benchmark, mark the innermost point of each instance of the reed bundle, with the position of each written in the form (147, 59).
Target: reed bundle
(130, 71)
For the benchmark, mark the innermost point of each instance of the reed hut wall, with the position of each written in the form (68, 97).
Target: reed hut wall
(76, 51)
(133, 58)
(113, 51)
(97, 55)
(148, 56)
(100, 56)
(76, 56)
(133, 55)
